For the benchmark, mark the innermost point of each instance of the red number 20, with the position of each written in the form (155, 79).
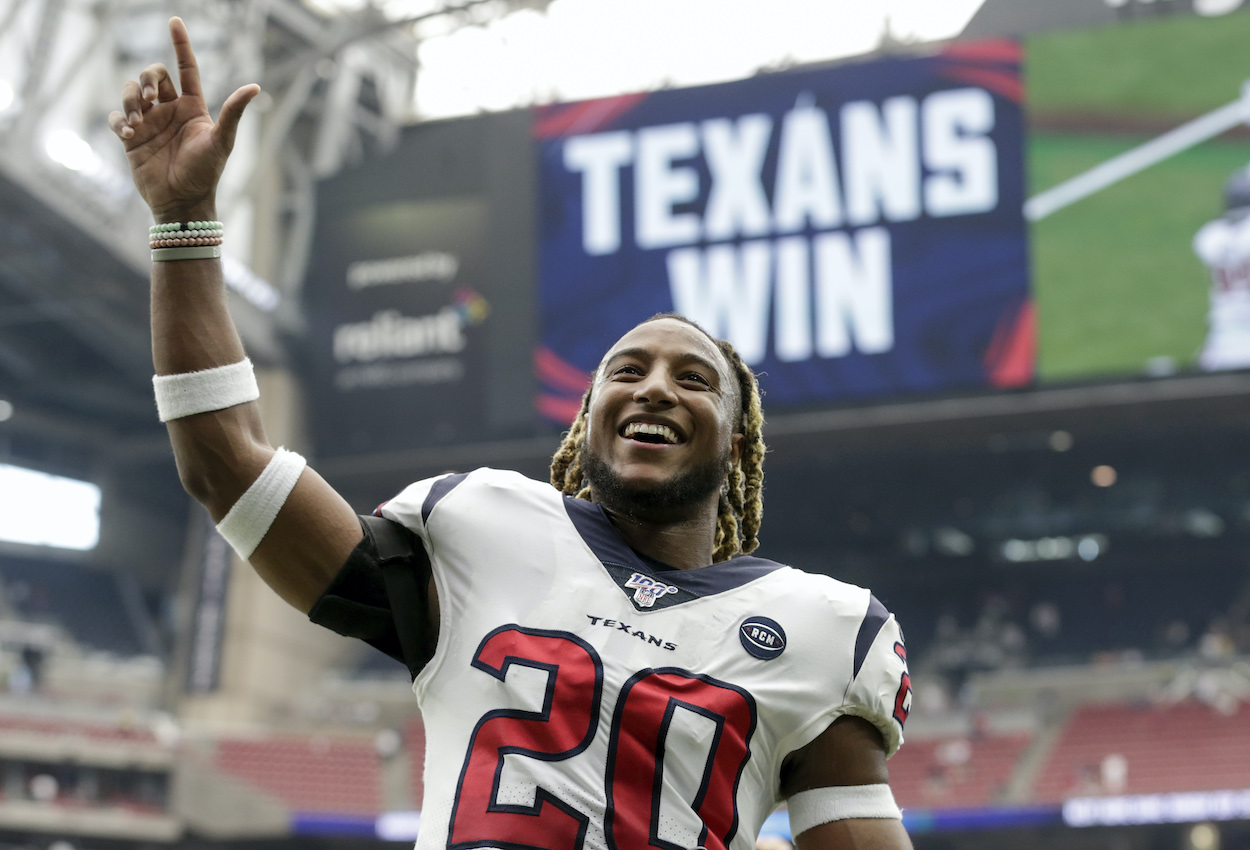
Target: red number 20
(562, 729)
(566, 725)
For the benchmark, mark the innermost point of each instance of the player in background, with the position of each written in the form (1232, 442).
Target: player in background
(1224, 246)
(599, 664)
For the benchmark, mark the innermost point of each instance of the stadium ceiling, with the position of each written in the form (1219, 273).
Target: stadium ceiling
(74, 358)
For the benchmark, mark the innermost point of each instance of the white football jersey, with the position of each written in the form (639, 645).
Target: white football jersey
(582, 696)
(1224, 246)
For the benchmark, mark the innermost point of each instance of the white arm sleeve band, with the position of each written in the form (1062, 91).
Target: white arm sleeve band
(209, 389)
(840, 802)
(247, 521)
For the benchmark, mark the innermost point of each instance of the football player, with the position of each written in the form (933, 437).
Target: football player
(600, 663)
(1223, 245)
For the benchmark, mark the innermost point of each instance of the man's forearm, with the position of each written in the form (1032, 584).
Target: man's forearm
(221, 452)
(860, 834)
(191, 324)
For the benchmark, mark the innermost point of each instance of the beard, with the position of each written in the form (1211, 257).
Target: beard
(667, 501)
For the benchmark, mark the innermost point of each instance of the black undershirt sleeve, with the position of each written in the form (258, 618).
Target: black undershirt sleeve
(381, 595)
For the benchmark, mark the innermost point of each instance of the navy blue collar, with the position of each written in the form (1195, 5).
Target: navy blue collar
(596, 528)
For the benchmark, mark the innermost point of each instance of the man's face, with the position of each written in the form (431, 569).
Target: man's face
(662, 419)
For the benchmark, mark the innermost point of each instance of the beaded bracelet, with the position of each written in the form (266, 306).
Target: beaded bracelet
(176, 226)
(180, 243)
(186, 240)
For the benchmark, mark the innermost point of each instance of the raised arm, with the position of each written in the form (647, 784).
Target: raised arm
(176, 154)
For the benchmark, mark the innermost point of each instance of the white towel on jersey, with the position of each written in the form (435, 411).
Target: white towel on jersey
(580, 691)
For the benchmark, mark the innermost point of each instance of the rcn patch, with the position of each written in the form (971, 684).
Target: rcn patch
(762, 637)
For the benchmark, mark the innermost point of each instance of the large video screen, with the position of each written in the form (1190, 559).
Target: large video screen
(1123, 282)
(418, 319)
(854, 231)
(800, 215)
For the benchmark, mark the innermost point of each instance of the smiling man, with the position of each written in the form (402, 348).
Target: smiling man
(601, 663)
(662, 438)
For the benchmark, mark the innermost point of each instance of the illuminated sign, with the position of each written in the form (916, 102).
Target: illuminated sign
(853, 231)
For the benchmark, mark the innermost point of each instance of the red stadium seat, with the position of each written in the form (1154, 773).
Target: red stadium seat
(1186, 747)
(338, 775)
(923, 774)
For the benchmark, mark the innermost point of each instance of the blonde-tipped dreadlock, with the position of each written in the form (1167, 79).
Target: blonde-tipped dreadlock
(566, 463)
(741, 506)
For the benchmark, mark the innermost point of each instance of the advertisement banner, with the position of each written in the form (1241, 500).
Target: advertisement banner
(855, 231)
(407, 317)
(418, 293)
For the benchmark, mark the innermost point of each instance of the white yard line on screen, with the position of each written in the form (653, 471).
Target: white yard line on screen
(1140, 158)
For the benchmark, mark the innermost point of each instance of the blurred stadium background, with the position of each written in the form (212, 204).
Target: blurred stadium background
(1065, 534)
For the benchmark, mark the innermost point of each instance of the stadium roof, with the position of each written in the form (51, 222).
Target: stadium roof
(559, 50)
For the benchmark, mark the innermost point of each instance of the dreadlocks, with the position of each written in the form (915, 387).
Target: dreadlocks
(741, 507)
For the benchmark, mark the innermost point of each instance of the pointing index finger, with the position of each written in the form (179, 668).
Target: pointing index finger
(188, 71)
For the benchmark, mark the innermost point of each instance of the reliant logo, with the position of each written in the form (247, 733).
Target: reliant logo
(762, 637)
(390, 335)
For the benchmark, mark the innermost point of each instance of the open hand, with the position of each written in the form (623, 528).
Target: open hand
(175, 150)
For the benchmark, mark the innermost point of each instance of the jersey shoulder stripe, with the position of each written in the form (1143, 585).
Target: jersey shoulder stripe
(415, 504)
(873, 620)
(441, 488)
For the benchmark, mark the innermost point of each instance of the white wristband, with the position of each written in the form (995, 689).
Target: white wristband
(840, 802)
(209, 389)
(246, 523)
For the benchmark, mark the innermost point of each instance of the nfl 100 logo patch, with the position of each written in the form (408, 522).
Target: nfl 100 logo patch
(647, 590)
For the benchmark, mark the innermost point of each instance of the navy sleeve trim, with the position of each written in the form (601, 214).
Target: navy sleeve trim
(381, 595)
(597, 530)
(873, 620)
(441, 488)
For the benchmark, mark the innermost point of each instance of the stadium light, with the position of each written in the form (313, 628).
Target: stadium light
(1201, 522)
(1103, 475)
(75, 153)
(72, 151)
(1059, 548)
(1060, 441)
(6, 410)
(39, 509)
(1204, 836)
